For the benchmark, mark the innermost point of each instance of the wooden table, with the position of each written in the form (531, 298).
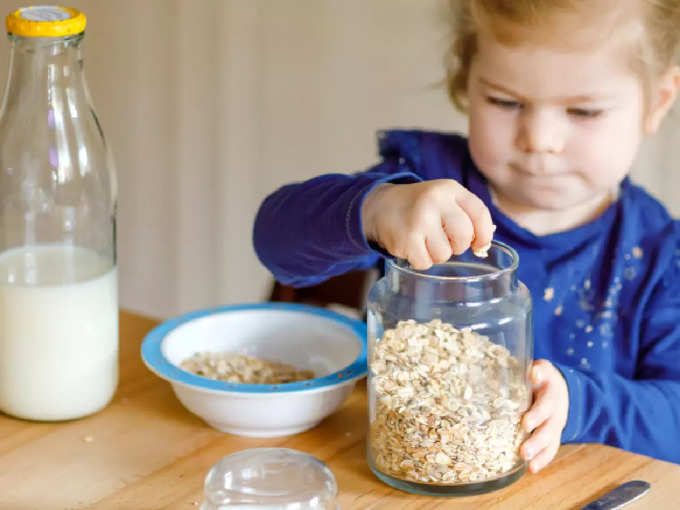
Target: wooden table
(145, 451)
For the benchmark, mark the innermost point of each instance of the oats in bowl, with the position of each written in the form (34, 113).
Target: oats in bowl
(238, 368)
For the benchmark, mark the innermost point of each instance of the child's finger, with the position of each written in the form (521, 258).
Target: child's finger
(541, 371)
(540, 410)
(417, 254)
(540, 439)
(459, 229)
(438, 246)
(480, 217)
(544, 457)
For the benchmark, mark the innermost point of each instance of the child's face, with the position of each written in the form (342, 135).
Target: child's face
(552, 129)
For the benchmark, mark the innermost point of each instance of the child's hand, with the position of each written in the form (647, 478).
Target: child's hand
(547, 416)
(426, 222)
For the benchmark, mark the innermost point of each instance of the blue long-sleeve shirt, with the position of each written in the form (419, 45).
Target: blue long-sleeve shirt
(606, 294)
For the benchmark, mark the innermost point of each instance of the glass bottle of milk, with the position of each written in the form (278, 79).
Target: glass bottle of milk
(58, 280)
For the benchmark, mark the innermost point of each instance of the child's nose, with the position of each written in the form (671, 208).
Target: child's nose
(540, 131)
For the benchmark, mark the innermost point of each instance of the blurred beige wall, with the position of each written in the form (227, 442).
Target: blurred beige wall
(211, 105)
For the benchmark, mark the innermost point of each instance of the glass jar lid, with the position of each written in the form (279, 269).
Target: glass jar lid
(270, 478)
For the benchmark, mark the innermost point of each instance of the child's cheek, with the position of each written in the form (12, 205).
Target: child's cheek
(609, 149)
(490, 138)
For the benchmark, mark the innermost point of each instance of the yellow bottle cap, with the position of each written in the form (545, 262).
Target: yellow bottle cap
(45, 21)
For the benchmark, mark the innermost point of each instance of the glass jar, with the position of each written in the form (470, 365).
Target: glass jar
(58, 279)
(449, 351)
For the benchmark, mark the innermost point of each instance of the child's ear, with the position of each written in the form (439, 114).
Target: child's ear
(664, 96)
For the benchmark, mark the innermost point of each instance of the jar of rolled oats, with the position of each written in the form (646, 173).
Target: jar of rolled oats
(449, 349)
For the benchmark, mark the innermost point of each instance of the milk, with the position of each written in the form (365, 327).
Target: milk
(58, 332)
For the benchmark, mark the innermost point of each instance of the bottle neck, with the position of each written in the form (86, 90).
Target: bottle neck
(40, 66)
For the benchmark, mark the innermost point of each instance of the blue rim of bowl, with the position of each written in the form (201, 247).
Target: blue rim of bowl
(153, 357)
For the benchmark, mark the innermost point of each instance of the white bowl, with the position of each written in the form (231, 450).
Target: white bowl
(330, 344)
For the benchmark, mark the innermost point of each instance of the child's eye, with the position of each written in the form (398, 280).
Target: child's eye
(506, 104)
(584, 112)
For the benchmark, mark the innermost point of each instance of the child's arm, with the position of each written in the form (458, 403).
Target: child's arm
(640, 414)
(307, 232)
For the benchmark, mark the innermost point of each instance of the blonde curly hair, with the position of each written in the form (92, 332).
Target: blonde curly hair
(653, 25)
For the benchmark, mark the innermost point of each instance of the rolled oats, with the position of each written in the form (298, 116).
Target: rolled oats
(229, 367)
(448, 404)
(482, 252)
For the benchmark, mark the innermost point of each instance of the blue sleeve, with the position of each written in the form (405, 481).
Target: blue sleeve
(642, 414)
(307, 232)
